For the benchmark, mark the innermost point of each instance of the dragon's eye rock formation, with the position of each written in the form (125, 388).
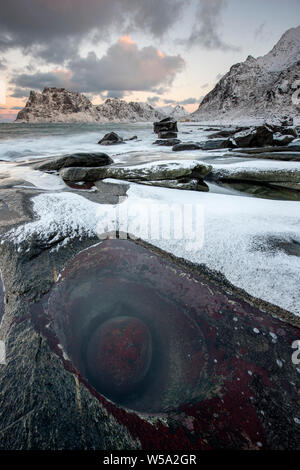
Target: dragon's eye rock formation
(266, 87)
(61, 105)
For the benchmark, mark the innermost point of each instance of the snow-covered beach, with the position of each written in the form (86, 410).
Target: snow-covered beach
(239, 229)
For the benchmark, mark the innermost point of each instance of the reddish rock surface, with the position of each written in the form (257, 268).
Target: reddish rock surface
(119, 354)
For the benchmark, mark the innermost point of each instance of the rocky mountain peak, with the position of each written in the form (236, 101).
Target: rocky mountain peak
(257, 89)
(61, 105)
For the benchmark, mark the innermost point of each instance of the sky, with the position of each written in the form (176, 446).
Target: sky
(157, 51)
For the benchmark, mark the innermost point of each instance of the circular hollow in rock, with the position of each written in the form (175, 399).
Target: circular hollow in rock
(119, 354)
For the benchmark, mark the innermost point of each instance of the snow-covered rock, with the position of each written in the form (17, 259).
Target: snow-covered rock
(258, 89)
(61, 105)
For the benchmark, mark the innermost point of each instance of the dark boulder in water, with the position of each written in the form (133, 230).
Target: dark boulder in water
(74, 160)
(167, 135)
(216, 144)
(261, 136)
(111, 139)
(165, 125)
(167, 142)
(186, 146)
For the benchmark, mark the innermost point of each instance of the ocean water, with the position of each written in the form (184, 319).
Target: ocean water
(29, 141)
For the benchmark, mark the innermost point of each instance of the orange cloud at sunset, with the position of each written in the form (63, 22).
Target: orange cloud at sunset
(127, 40)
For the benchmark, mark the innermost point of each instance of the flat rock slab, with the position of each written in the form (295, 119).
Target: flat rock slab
(147, 172)
(268, 175)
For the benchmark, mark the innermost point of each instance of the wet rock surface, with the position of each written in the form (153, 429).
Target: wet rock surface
(149, 172)
(186, 146)
(223, 345)
(167, 142)
(119, 355)
(75, 160)
(111, 139)
(166, 125)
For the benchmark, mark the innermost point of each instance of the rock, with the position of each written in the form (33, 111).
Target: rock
(74, 160)
(185, 183)
(119, 355)
(287, 121)
(111, 139)
(225, 133)
(165, 125)
(61, 105)
(167, 135)
(268, 175)
(283, 130)
(252, 151)
(167, 142)
(286, 156)
(254, 137)
(217, 144)
(280, 140)
(134, 137)
(186, 146)
(293, 186)
(169, 170)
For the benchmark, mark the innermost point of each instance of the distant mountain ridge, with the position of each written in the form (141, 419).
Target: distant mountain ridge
(61, 105)
(261, 88)
(177, 112)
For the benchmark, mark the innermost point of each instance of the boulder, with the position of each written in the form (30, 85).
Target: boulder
(287, 121)
(283, 130)
(280, 140)
(254, 137)
(167, 142)
(167, 135)
(165, 125)
(186, 146)
(216, 144)
(225, 133)
(169, 170)
(187, 184)
(134, 137)
(111, 139)
(267, 175)
(74, 160)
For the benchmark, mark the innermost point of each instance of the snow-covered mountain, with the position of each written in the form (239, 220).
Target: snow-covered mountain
(176, 112)
(61, 105)
(258, 89)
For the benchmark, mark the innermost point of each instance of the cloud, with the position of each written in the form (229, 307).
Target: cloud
(205, 32)
(189, 101)
(36, 81)
(205, 85)
(182, 102)
(40, 26)
(2, 63)
(153, 99)
(115, 94)
(124, 67)
(20, 92)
